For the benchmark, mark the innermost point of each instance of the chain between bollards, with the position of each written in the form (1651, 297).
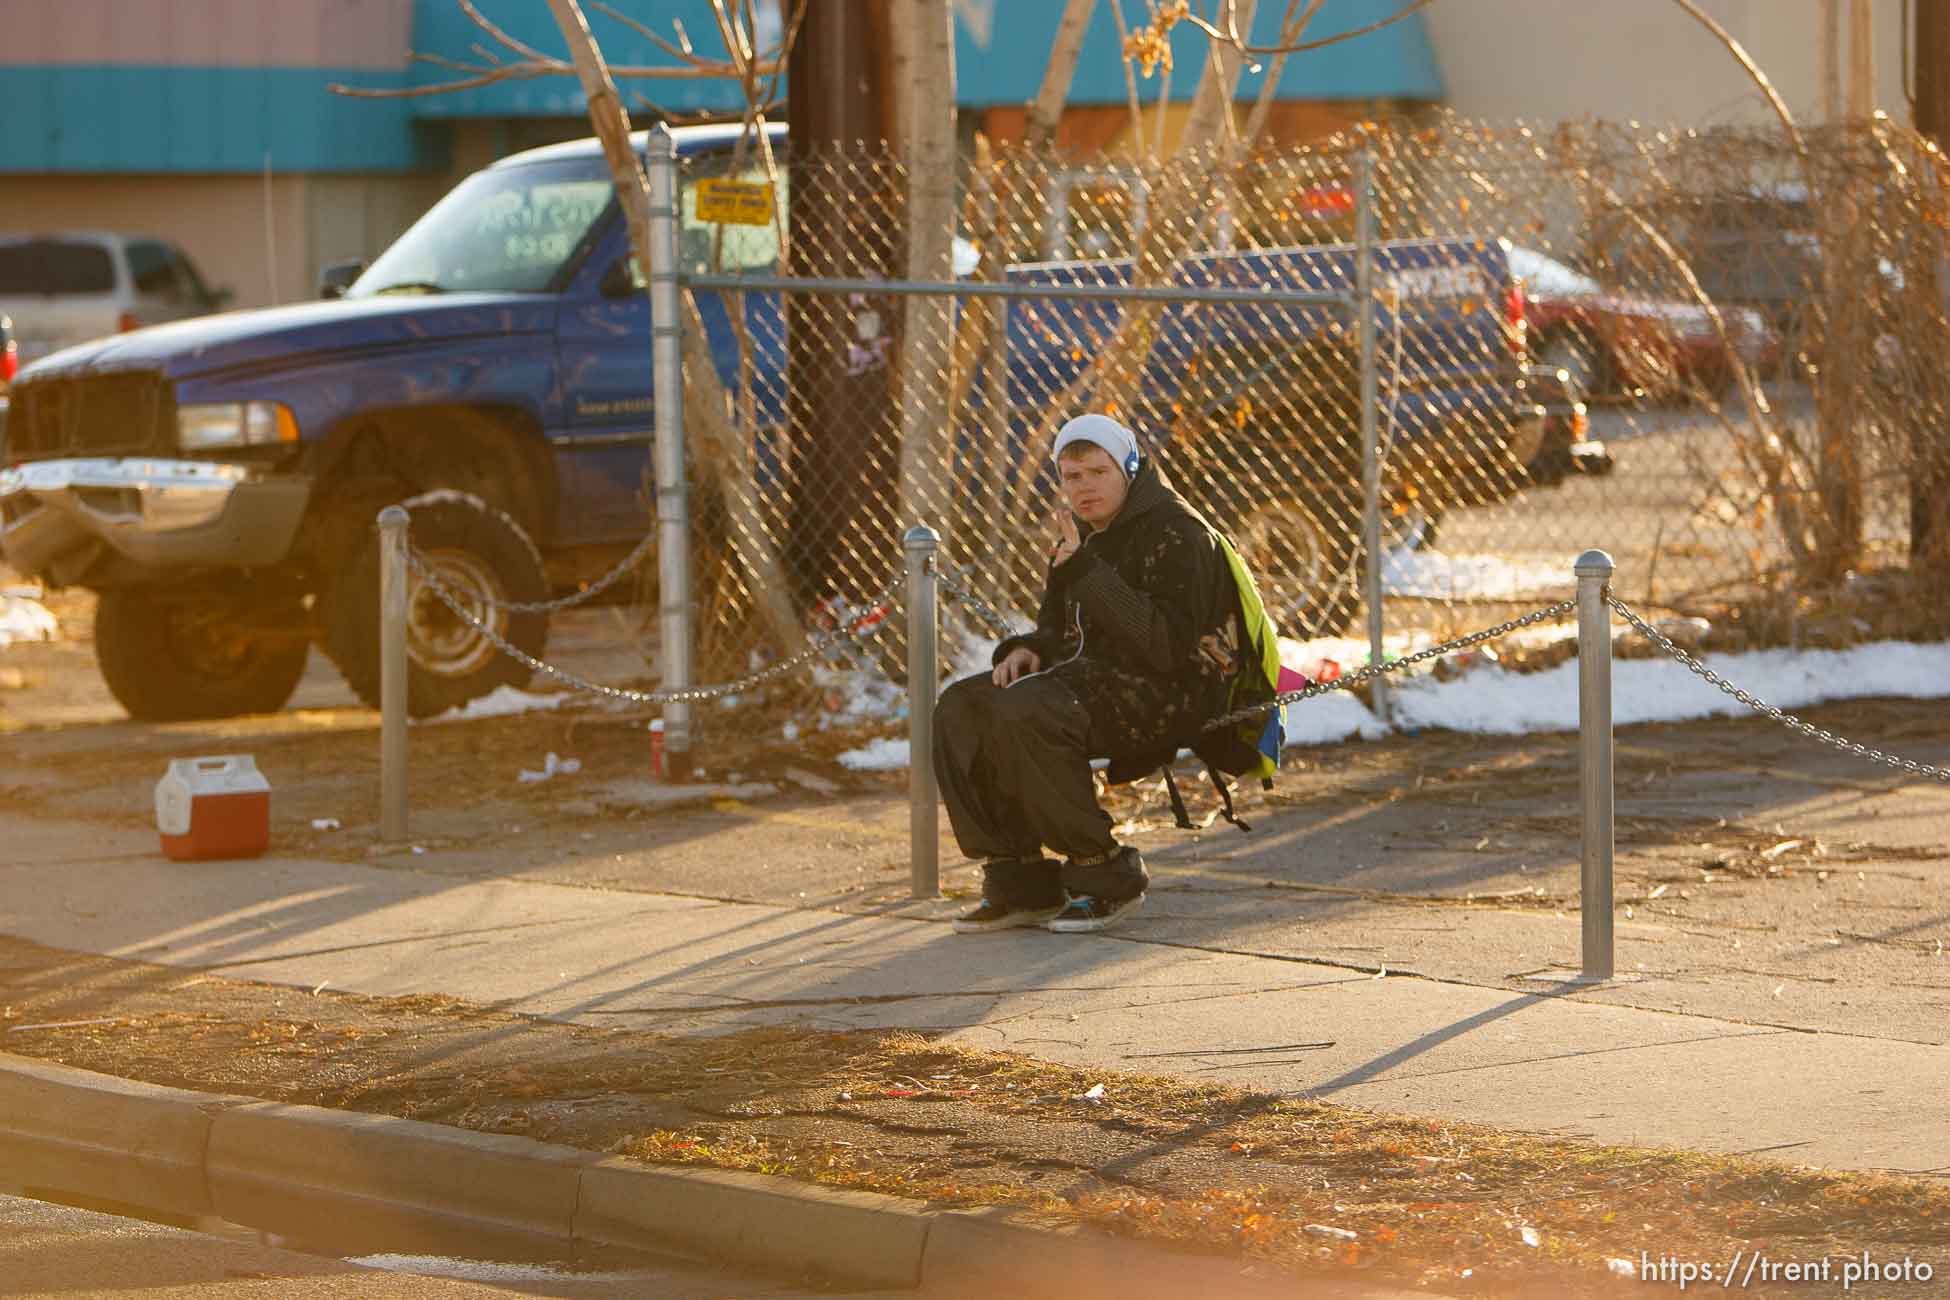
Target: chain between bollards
(923, 671)
(393, 521)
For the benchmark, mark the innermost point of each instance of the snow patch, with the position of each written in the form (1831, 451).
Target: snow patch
(1662, 690)
(883, 755)
(23, 618)
(502, 701)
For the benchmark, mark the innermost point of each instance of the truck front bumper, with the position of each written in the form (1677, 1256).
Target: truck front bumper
(60, 519)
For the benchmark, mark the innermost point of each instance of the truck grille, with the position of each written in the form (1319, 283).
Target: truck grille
(90, 415)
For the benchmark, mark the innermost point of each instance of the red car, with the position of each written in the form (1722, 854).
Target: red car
(1622, 344)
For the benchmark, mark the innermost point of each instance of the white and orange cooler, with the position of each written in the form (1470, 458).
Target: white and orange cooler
(216, 807)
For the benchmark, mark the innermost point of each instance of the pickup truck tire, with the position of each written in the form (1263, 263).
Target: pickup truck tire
(476, 551)
(175, 656)
(1304, 556)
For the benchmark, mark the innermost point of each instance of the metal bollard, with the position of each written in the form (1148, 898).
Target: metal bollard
(393, 522)
(924, 826)
(674, 614)
(1594, 570)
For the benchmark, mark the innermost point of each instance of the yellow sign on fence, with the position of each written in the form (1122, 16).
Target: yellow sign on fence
(738, 203)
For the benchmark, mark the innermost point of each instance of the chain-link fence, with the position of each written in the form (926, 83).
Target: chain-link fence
(1730, 338)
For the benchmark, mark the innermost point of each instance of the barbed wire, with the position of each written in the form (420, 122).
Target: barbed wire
(861, 628)
(1762, 707)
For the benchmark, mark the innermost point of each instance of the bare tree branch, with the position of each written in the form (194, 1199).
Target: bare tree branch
(537, 64)
(528, 52)
(528, 71)
(1291, 28)
(721, 448)
(1739, 52)
(440, 61)
(1232, 38)
(1062, 68)
(685, 53)
(1130, 79)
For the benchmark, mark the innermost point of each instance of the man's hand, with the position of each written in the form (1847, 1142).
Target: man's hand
(1067, 540)
(1019, 662)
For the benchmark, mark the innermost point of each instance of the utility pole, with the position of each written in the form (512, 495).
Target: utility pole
(1861, 60)
(1929, 492)
(1831, 61)
(843, 457)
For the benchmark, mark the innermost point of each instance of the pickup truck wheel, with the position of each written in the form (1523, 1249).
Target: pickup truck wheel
(1302, 554)
(485, 559)
(181, 656)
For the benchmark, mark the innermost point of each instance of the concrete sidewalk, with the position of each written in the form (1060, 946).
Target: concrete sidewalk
(1126, 1000)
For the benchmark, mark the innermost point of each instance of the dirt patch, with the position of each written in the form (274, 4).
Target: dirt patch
(1311, 1187)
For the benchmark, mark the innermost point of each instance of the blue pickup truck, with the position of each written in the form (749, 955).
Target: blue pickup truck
(215, 480)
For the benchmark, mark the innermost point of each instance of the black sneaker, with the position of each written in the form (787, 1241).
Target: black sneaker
(1002, 916)
(1084, 913)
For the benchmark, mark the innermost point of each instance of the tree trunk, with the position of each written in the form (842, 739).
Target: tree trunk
(1047, 110)
(1929, 498)
(1847, 340)
(705, 406)
(924, 83)
(844, 454)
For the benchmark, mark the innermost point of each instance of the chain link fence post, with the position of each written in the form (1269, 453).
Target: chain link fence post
(1594, 570)
(923, 671)
(1364, 291)
(393, 521)
(673, 506)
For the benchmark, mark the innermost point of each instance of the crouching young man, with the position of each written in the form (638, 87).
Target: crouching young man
(1137, 637)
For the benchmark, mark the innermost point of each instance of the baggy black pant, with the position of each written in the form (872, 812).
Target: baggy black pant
(1013, 764)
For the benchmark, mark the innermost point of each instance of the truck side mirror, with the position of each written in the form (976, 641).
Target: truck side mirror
(336, 278)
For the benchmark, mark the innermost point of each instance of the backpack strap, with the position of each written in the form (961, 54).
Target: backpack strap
(1178, 803)
(1225, 798)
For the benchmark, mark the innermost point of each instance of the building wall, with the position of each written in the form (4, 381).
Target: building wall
(199, 86)
(220, 221)
(1644, 60)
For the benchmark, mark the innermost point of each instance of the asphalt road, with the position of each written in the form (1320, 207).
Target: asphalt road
(55, 1250)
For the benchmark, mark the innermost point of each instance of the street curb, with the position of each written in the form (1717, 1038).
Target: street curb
(103, 1137)
(757, 1219)
(284, 1168)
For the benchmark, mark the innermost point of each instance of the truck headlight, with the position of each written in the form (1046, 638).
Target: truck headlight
(234, 424)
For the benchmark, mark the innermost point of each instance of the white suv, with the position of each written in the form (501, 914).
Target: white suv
(63, 289)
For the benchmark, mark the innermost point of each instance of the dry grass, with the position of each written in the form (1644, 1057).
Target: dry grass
(1304, 1185)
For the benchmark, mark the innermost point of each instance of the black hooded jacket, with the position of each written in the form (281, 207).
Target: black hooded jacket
(1143, 624)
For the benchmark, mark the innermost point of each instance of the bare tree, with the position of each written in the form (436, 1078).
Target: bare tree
(1047, 109)
(1174, 219)
(705, 404)
(923, 39)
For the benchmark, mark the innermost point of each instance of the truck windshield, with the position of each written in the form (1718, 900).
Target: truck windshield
(506, 229)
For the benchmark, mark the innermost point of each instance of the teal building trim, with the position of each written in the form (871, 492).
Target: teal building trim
(1005, 64)
(103, 118)
(87, 118)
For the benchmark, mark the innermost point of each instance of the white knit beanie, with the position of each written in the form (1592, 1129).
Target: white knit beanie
(1105, 432)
